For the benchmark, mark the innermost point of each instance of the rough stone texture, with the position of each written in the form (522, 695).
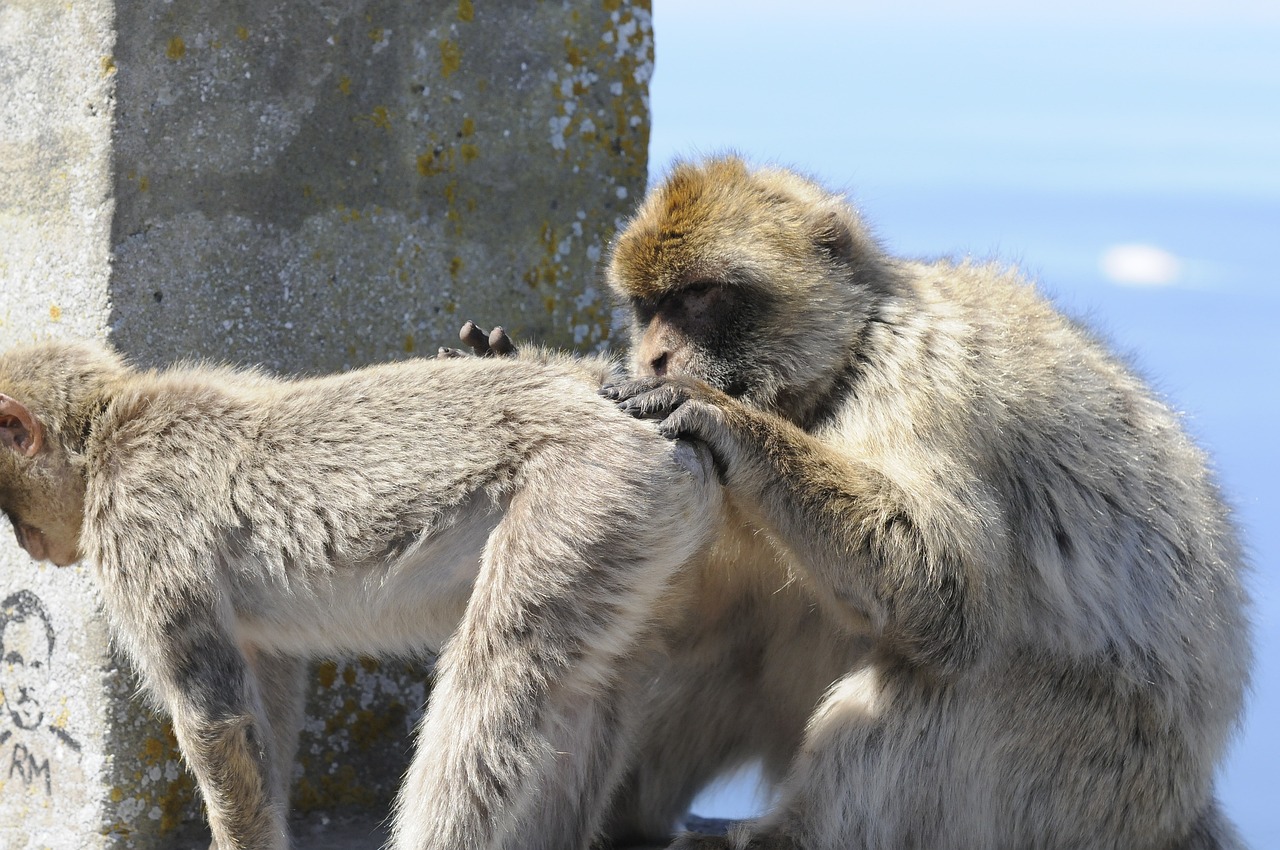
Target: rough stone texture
(307, 184)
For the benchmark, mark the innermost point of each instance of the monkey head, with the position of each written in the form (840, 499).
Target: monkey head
(45, 410)
(756, 282)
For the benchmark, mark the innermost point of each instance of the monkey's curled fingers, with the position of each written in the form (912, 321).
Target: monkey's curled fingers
(647, 398)
(688, 409)
(493, 343)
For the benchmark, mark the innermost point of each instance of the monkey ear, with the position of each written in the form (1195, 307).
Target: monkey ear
(834, 236)
(19, 430)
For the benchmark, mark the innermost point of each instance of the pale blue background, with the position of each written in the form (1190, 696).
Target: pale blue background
(1045, 137)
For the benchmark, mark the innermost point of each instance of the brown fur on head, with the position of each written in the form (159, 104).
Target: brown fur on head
(49, 396)
(755, 281)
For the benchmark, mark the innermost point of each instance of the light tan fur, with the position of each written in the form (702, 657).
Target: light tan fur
(498, 511)
(981, 591)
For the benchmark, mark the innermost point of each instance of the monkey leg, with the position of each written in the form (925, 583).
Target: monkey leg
(590, 741)
(282, 681)
(695, 730)
(516, 675)
(526, 715)
(1013, 755)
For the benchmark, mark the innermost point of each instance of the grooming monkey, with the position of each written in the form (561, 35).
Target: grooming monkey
(239, 523)
(981, 590)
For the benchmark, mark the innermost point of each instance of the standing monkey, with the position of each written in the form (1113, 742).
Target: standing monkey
(980, 592)
(239, 523)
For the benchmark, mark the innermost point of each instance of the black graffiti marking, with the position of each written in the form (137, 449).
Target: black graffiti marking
(25, 765)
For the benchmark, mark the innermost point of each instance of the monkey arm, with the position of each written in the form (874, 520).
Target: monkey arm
(896, 541)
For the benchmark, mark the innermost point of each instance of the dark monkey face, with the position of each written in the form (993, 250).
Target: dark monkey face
(701, 331)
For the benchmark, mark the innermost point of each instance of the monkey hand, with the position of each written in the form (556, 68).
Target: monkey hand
(685, 408)
(494, 343)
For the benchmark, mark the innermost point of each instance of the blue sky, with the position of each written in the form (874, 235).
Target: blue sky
(1127, 154)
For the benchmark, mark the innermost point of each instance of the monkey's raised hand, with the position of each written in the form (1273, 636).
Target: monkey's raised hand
(493, 343)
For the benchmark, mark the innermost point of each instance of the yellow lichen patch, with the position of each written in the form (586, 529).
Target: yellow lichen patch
(369, 665)
(144, 183)
(408, 344)
(469, 152)
(375, 34)
(327, 674)
(242, 33)
(108, 65)
(341, 788)
(465, 11)
(344, 84)
(153, 751)
(63, 718)
(468, 126)
(55, 313)
(612, 5)
(177, 48)
(117, 828)
(349, 675)
(173, 805)
(435, 162)
(116, 795)
(572, 54)
(450, 58)
(370, 727)
(380, 117)
(455, 266)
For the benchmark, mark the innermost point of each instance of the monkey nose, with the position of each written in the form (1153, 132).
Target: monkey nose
(659, 365)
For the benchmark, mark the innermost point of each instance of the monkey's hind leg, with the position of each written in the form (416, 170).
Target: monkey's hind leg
(526, 728)
(282, 681)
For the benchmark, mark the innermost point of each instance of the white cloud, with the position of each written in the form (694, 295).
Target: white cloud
(1140, 265)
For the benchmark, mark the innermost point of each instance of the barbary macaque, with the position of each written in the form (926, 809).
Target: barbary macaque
(977, 588)
(498, 511)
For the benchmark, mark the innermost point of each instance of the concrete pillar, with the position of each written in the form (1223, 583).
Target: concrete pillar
(306, 184)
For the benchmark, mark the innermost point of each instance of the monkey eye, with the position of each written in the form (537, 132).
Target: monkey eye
(698, 287)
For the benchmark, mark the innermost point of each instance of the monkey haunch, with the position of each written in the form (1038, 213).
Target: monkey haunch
(238, 523)
(984, 594)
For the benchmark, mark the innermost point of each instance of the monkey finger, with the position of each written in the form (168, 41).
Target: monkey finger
(656, 404)
(628, 389)
(500, 345)
(477, 339)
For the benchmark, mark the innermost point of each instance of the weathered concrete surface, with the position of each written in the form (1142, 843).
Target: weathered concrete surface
(308, 184)
(478, 156)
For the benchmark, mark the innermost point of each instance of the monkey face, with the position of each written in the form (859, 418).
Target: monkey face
(62, 551)
(699, 331)
(751, 281)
